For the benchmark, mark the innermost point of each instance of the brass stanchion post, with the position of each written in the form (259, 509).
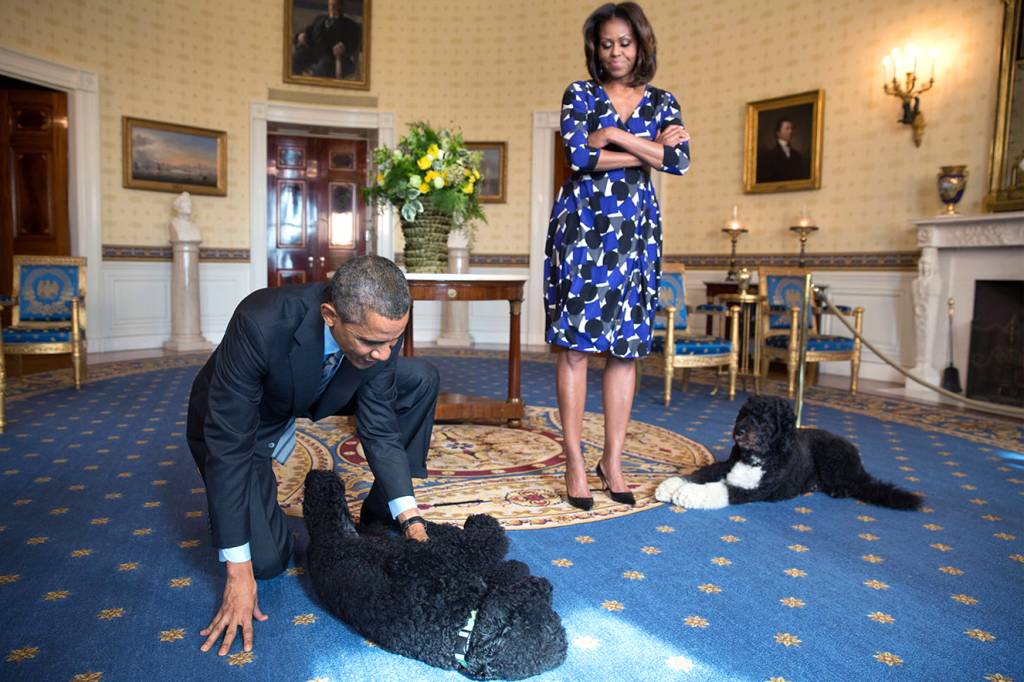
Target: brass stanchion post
(805, 317)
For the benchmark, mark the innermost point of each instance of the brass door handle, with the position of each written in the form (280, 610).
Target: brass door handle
(322, 261)
(310, 261)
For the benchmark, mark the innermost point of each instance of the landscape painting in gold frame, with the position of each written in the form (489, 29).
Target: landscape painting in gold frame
(166, 157)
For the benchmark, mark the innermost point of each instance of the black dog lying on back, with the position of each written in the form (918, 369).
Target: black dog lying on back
(773, 460)
(451, 601)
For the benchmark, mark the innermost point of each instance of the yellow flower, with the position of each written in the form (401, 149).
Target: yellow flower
(433, 151)
(424, 188)
(430, 176)
(425, 161)
(380, 179)
(468, 188)
(476, 174)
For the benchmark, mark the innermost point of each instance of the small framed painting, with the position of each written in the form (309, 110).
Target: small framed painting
(493, 163)
(166, 157)
(783, 143)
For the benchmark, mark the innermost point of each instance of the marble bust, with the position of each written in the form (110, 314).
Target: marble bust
(183, 228)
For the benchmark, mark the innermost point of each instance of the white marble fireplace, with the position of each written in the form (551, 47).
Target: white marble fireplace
(956, 251)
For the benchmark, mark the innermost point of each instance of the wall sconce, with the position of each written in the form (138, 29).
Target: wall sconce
(734, 228)
(903, 65)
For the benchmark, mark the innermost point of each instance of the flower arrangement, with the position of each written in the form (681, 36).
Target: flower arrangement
(428, 169)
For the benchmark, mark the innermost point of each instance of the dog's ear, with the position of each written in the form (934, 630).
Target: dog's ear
(785, 418)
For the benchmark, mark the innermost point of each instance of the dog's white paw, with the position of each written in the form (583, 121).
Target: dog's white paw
(701, 495)
(667, 489)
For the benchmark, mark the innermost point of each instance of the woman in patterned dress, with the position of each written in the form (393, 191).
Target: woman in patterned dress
(603, 254)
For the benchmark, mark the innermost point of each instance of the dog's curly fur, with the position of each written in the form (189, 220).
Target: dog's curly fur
(773, 460)
(412, 598)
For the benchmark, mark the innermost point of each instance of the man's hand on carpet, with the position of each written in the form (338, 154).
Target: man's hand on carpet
(237, 609)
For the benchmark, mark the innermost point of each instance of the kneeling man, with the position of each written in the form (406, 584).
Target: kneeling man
(305, 351)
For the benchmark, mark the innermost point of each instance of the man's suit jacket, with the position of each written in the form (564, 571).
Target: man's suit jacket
(774, 166)
(266, 370)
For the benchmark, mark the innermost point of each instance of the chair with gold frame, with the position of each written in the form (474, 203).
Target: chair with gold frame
(47, 312)
(682, 349)
(783, 291)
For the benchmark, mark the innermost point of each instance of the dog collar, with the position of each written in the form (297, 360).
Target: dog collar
(462, 643)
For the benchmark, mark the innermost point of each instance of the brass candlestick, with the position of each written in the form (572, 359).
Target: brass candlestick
(734, 234)
(804, 231)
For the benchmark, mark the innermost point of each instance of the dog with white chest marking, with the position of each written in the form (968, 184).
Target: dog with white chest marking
(773, 460)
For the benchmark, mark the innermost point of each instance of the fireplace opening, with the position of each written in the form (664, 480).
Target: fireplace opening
(995, 371)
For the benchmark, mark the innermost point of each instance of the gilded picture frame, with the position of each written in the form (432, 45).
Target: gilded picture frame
(167, 157)
(783, 143)
(318, 43)
(493, 171)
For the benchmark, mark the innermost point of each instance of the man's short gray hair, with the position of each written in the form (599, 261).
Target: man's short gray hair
(369, 283)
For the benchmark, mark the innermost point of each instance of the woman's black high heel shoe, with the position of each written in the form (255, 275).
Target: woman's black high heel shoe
(623, 497)
(584, 503)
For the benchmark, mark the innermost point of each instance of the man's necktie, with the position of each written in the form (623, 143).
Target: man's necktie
(286, 443)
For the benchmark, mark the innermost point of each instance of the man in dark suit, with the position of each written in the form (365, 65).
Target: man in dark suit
(329, 47)
(307, 351)
(782, 161)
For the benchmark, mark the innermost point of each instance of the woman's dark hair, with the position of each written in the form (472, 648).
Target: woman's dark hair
(643, 34)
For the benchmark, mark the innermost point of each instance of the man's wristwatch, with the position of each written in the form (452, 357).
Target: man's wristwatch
(404, 525)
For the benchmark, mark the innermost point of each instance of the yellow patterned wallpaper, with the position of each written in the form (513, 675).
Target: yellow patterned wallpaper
(487, 65)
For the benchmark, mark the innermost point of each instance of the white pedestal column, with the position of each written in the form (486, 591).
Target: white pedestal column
(455, 314)
(185, 331)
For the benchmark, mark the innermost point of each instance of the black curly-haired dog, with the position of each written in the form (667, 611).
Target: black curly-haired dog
(773, 460)
(451, 602)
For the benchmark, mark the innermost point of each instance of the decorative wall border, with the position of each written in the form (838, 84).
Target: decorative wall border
(896, 260)
(888, 260)
(121, 252)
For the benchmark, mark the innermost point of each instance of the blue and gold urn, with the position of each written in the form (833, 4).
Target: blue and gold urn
(952, 182)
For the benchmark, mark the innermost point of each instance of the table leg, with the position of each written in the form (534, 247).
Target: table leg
(514, 357)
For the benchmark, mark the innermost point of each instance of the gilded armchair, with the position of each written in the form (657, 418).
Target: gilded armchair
(783, 291)
(47, 311)
(682, 349)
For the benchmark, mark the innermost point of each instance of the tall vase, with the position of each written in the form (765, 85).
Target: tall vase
(426, 240)
(952, 182)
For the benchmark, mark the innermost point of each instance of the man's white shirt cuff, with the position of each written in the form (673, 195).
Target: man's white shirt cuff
(401, 504)
(235, 555)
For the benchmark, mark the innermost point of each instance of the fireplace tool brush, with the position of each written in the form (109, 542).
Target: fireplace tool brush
(951, 375)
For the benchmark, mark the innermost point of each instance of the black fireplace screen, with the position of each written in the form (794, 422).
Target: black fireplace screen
(995, 370)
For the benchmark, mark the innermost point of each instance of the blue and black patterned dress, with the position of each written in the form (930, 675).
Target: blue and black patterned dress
(603, 252)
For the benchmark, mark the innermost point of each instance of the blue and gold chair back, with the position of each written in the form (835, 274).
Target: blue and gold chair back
(44, 287)
(672, 294)
(783, 290)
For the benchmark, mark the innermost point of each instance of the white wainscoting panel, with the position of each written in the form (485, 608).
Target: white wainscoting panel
(888, 314)
(136, 296)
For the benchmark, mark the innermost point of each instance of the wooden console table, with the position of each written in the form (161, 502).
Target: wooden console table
(451, 287)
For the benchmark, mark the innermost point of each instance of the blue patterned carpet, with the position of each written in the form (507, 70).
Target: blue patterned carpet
(106, 570)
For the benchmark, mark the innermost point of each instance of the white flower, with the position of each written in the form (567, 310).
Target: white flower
(438, 182)
(415, 180)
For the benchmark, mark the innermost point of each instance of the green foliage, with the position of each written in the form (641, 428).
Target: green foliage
(428, 166)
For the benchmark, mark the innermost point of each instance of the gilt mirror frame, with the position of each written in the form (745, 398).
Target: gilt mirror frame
(1006, 186)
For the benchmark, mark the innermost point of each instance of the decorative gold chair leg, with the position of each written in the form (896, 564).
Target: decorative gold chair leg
(793, 361)
(734, 355)
(858, 325)
(668, 385)
(76, 344)
(686, 379)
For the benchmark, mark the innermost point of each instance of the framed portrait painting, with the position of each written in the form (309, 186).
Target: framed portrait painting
(166, 157)
(491, 187)
(783, 143)
(327, 42)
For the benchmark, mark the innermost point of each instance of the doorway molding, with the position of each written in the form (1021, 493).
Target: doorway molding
(262, 113)
(84, 166)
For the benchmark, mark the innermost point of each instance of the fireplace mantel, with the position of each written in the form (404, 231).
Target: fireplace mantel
(956, 251)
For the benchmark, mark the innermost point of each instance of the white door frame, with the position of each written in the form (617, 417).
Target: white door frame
(84, 167)
(262, 113)
(541, 193)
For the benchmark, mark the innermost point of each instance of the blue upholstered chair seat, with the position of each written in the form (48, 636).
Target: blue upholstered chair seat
(18, 336)
(696, 345)
(815, 343)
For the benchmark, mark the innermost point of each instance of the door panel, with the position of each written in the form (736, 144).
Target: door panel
(33, 175)
(315, 206)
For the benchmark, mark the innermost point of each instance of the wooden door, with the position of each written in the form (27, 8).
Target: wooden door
(33, 175)
(314, 206)
(561, 170)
